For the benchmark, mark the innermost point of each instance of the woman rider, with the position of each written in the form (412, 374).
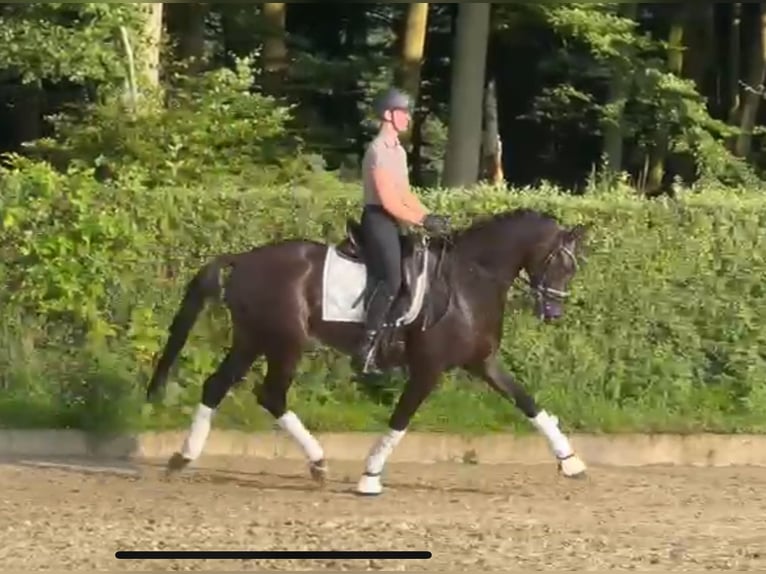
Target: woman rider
(388, 204)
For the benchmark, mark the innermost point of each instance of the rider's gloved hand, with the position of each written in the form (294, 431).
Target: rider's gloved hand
(437, 224)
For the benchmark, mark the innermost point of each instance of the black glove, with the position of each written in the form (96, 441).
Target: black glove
(436, 224)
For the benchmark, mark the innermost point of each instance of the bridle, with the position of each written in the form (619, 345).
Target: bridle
(542, 292)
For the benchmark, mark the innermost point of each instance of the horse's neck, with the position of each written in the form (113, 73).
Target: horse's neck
(470, 263)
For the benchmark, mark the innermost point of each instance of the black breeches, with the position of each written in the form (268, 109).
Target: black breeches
(382, 248)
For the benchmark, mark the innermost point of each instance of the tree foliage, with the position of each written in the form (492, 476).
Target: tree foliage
(54, 41)
(333, 57)
(596, 44)
(210, 124)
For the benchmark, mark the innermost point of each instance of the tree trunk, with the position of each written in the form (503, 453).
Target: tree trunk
(412, 45)
(274, 46)
(732, 78)
(356, 28)
(613, 131)
(27, 112)
(461, 164)
(357, 32)
(700, 53)
(153, 39)
(702, 61)
(491, 165)
(191, 33)
(755, 78)
(661, 143)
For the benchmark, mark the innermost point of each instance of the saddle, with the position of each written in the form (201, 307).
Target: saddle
(352, 248)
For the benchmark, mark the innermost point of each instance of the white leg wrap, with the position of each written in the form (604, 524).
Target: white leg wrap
(292, 425)
(549, 426)
(370, 483)
(381, 450)
(198, 433)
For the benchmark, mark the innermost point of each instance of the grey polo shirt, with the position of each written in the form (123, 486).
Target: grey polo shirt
(389, 155)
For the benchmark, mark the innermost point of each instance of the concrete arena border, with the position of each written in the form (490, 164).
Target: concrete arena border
(619, 450)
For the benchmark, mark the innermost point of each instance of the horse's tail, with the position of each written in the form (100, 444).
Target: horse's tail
(206, 284)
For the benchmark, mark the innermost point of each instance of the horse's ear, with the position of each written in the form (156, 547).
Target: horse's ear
(576, 234)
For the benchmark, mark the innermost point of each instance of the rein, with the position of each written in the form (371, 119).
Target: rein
(425, 241)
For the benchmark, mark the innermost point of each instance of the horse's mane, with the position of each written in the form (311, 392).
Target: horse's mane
(484, 222)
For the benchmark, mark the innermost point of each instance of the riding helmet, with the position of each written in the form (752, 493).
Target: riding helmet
(391, 99)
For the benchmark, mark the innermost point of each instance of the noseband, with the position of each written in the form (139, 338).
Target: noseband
(540, 290)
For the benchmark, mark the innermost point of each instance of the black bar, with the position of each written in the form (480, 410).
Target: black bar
(271, 555)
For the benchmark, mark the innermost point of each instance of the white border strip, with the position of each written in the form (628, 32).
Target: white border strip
(621, 450)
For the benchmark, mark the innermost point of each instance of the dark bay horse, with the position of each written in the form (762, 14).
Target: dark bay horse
(274, 294)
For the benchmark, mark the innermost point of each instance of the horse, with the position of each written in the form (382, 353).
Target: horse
(286, 295)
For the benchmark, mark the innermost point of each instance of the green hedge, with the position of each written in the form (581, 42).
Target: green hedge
(663, 333)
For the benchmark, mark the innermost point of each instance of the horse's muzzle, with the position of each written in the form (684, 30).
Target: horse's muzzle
(549, 310)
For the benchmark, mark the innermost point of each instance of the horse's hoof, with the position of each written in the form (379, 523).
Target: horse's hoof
(572, 467)
(369, 485)
(319, 472)
(177, 463)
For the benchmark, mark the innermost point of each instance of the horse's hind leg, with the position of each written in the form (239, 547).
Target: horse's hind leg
(504, 383)
(272, 396)
(231, 370)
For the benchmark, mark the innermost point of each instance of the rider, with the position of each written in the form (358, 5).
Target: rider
(389, 205)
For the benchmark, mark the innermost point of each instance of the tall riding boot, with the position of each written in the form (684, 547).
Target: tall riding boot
(377, 312)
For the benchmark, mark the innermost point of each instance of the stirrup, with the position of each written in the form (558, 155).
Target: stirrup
(369, 365)
(366, 362)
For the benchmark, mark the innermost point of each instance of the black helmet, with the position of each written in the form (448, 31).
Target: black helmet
(391, 99)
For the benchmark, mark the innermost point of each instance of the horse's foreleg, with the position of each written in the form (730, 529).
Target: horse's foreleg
(231, 370)
(272, 396)
(504, 383)
(416, 390)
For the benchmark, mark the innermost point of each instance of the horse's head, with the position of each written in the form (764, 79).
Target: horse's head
(550, 266)
(525, 239)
